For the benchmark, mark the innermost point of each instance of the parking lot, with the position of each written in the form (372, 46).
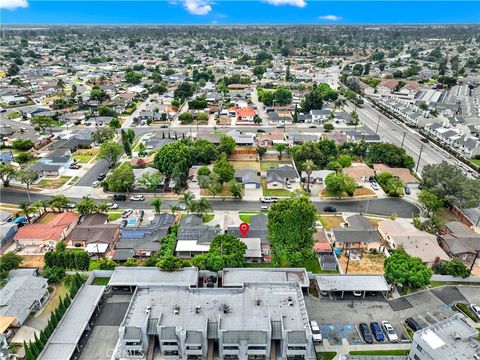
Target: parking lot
(339, 319)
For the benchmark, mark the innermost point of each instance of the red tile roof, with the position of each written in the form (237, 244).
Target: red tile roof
(52, 230)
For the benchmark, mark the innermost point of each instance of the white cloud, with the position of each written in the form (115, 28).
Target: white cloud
(13, 4)
(297, 3)
(330, 17)
(198, 7)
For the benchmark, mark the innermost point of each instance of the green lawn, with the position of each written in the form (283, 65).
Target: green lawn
(476, 161)
(326, 355)
(273, 192)
(264, 165)
(381, 352)
(101, 281)
(112, 216)
(14, 115)
(83, 158)
(312, 265)
(54, 183)
(93, 265)
(466, 310)
(208, 217)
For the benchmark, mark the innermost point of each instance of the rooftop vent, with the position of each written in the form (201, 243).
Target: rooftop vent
(148, 308)
(176, 309)
(197, 309)
(225, 309)
(258, 302)
(290, 301)
(456, 336)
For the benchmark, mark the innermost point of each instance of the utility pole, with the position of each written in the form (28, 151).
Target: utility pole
(403, 139)
(419, 157)
(474, 261)
(348, 260)
(378, 124)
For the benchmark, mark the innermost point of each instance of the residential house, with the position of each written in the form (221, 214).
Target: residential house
(357, 136)
(144, 240)
(416, 243)
(242, 139)
(359, 235)
(459, 241)
(94, 234)
(194, 237)
(300, 138)
(54, 164)
(6, 157)
(80, 140)
(46, 231)
(269, 140)
(324, 251)
(283, 177)
(359, 172)
(317, 176)
(248, 177)
(23, 293)
(403, 174)
(7, 233)
(138, 173)
(258, 247)
(243, 115)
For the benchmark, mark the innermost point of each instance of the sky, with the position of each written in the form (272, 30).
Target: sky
(239, 12)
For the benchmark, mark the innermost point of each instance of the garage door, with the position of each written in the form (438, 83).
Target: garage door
(250, 186)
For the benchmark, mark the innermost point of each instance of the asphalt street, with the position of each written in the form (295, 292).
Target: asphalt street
(383, 207)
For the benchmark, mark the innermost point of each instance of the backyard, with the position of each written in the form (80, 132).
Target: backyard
(245, 165)
(273, 164)
(368, 264)
(53, 183)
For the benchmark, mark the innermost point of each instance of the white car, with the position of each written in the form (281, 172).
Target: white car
(475, 309)
(112, 206)
(181, 206)
(374, 185)
(95, 183)
(137, 198)
(126, 213)
(316, 334)
(268, 199)
(390, 331)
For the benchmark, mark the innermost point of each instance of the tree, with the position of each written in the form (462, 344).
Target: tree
(107, 264)
(27, 177)
(291, 224)
(312, 101)
(280, 147)
(430, 200)
(236, 189)
(170, 156)
(188, 198)
(9, 261)
(104, 110)
(328, 127)
(224, 169)
(390, 154)
(59, 201)
(457, 268)
(87, 206)
(449, 183)
(102, 135)
(24, 157)
(186, 118)
(357, 70)
(110, 151)
(227, 145)
(103, 207)
(133, 77)
(225, 251)
(22, 144)
(308, 167)
(42, 122)
(121, 179)
(345, 161)
(213, 184)
(184, 90)
(201, 206)
(157, 204)
(7, 173)
(152, 181)
(261, 151)
(390, 184)
(54, 274)
(203, 152)
(259, 70)
(337, 184)
(115, 124)
(401, 268)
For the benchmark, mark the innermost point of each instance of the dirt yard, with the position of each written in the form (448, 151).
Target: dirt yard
(331, 221)
(32, 261)
(246, 165)
(369, 264)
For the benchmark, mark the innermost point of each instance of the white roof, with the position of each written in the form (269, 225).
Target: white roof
(352, 283)
(254, 247)
(145, 276)
(191, 245)
(96, 248)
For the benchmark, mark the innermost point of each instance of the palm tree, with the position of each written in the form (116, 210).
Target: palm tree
(59, 202)
(173, 208)
(202, 206)
(188, 198)
(27, 208)
(308, 167)
(42, 205)
(103, 207)
(156, 203)
(87, 206)
(280, 148)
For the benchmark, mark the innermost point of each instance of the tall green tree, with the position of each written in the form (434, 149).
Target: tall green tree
(87, 206)
(308, 166)
(174, 155)
(157, 204)
(152, 181)
(7, 173)
(224, 169)
(111, 151)
(27, 177)
(401, 268)
(227, 145)
(121, 179)
(338, 184)
(291, 224)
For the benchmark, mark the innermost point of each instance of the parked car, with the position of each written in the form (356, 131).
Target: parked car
(374, 185)
(316, 334)
(260, 130)
(390, 331)
(101, 176)
(119, 197)
(329, 209)
(377, 331)
(268, 199)
(425, 140)
(112, 206)
(264, 208)
(476, 310)
(366, 334)
(75, 166)
(181, 206)
(95, 183)
(123, 224)
(137, 198)
(407, 190)
(413, 324)
(126, 213)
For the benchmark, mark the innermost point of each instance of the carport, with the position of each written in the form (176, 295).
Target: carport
(350, 283)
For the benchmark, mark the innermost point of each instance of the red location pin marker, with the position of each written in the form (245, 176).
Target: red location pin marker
(244, 227)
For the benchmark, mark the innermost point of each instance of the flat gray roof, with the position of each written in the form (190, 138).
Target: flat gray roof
(145, 276)
(70, 329)
(236, 277)
(355, 282)
(250, 308)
